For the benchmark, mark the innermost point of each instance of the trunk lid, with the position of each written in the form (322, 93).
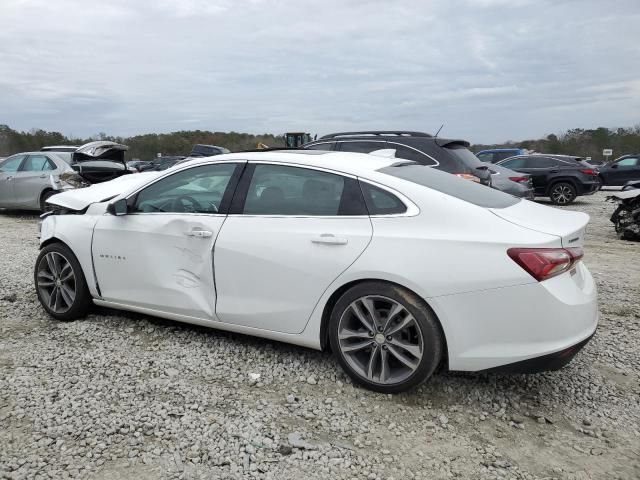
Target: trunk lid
(100, 161)
(569, 226)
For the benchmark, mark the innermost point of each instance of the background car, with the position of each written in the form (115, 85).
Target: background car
(28, 179)
(452, 156)
(200, 150)
(494, 155)
(559, 177)
(620, 171)
(140, 165)
(511, 182)
(162, 163)
(398, 267)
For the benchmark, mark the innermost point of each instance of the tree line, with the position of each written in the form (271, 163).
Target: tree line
(143, 147)
(577, 141)
(580, 142)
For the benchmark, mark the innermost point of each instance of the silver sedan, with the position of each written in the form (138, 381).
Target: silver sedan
(28, 179)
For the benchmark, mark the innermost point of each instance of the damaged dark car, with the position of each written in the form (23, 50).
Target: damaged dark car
(626, 217)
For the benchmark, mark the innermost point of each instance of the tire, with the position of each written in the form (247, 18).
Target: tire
(363, 354)
(562, 193)
(60, 283)
(43, 200)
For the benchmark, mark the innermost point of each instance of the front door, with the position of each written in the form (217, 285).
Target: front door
(8, 169)
(625, 170)
(295, 231)
(159, 255)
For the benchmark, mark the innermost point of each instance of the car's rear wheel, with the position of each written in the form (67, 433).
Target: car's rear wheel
(385, 337)
(563, 193)
(60, 283)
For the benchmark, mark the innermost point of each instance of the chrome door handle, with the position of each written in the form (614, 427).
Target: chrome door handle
(199, 233)
(329, 239)
(8, 178)
(43, 176)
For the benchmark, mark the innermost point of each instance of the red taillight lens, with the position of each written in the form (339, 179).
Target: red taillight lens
(588, 171)
(545, 263)
(468, 176)
(519, 179)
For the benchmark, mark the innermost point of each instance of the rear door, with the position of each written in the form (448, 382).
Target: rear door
(32, 178)
(8, 169)
(291, 232)
(159, 255)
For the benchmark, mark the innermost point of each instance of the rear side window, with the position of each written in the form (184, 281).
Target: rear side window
(321, 146)
(381, 202)
(411, 154)
(514, 163)
(284, 190)
(540, 162)
(361, 146)
(451, 185)
(37, 163)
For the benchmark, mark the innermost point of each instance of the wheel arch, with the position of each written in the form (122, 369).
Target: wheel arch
(337, 293)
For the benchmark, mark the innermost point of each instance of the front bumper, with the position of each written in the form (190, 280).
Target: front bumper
(545, 363)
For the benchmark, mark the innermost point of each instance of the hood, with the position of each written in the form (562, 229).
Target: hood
(100, 161)
(81, 198)
(569, 226)
(625, 195)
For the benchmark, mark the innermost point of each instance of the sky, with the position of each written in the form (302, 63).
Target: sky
(489, 70)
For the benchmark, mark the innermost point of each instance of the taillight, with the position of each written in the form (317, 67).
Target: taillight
(468, 176)
(545, 263)
(519, 179)
(588, 171)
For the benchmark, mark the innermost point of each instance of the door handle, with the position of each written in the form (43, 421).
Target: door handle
(199, 233)
(8, 178)
(43, 176)
(554, 171)
(329, 239)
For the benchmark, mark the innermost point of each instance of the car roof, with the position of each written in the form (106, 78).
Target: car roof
(343, 162)
(501, 150)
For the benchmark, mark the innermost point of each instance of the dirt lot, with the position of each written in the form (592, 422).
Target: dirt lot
(128, 396)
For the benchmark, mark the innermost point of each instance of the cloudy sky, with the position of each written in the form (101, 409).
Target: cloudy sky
(489, 70)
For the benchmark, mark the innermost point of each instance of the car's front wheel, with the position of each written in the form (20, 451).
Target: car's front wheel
(385, 337)
(60, 283)
(563, 193)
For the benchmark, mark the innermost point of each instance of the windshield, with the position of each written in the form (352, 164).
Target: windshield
(471, 192)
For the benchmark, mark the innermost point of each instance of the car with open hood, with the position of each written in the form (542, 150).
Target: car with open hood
(29, 179)
(398, 268)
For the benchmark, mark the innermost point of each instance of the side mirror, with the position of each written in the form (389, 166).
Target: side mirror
(118, 208)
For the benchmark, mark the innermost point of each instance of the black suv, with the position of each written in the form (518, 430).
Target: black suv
(560, 177)
(452, 156)
(621, 170)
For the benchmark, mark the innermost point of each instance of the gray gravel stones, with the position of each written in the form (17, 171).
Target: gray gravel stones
(121, 395)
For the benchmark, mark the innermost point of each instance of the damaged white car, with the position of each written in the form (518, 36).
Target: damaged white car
(29, 179)
(397, 267)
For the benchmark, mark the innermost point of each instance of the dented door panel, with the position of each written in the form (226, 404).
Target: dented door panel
(159, 261)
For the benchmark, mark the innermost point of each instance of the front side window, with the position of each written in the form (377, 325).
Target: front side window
(283, 190)
(11, 164)
(37, 163)
(195, 190)
(628, 162)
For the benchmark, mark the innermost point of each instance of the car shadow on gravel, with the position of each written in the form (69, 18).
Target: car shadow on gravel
(20, 214)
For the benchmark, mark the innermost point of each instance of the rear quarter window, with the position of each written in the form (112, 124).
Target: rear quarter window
(448, 184)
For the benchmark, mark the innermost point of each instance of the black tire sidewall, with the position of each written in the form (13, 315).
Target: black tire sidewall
(574, 191)
(83, 300)
(429, 326)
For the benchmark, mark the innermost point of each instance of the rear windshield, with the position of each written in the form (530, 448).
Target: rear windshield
(463, 154)
(466, 190)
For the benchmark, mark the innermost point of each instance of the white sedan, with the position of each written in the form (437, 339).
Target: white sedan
(398, 268)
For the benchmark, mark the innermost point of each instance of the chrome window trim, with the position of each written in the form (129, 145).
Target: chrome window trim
(436, 162)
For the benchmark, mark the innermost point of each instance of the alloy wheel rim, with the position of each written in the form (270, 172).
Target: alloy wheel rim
(56, 282)
(380, 339)
(562, 194)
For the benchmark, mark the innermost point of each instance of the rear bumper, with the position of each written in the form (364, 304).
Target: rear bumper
(545, 363)
(590, 188)
(505, 326)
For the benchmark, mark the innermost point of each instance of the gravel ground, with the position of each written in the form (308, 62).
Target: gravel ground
(123, 395)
